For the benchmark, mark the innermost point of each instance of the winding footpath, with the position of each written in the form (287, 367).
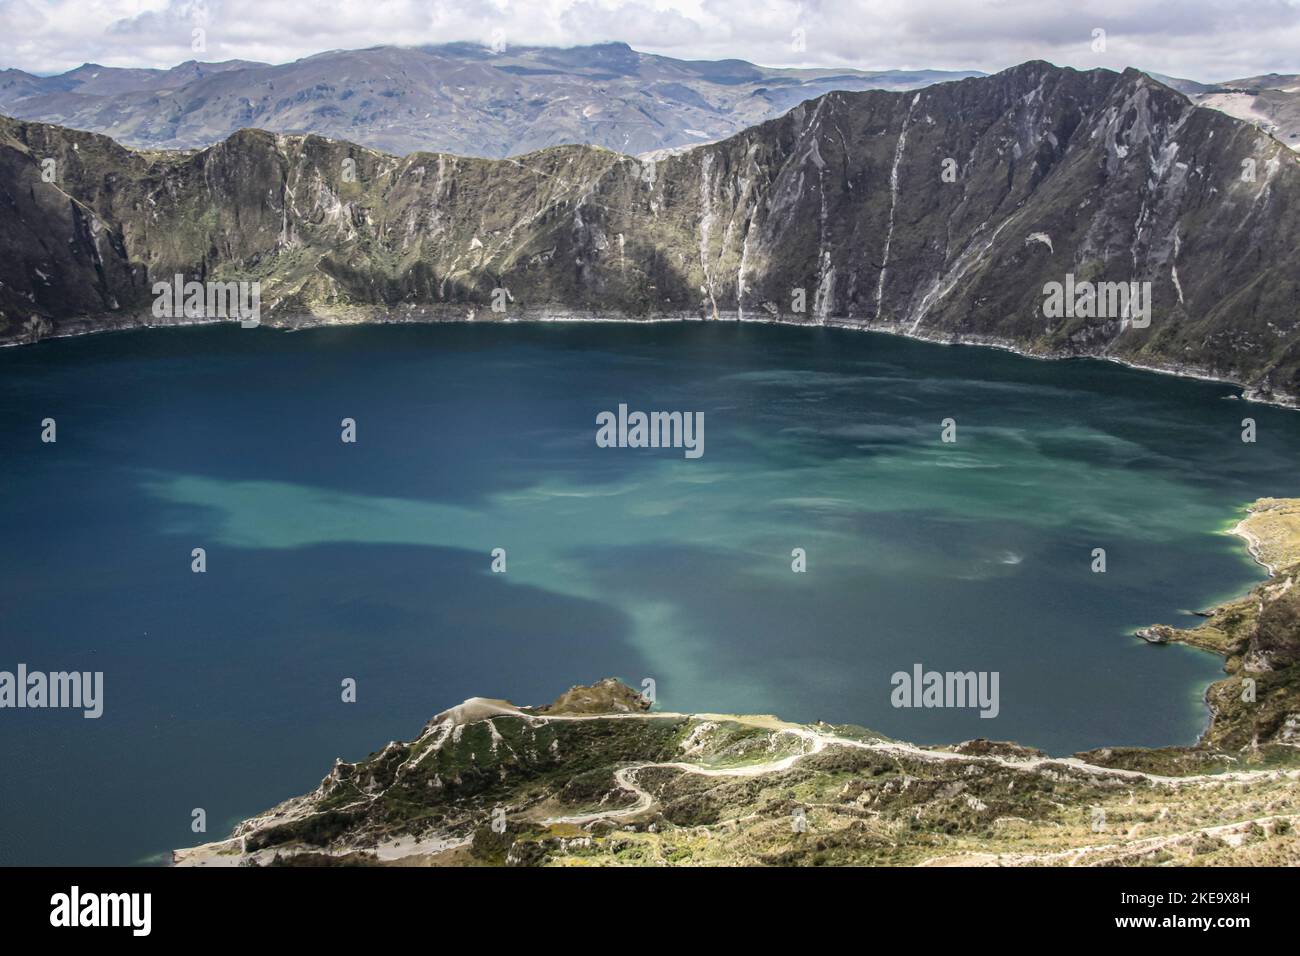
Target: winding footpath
(817, 742)
(230, 852)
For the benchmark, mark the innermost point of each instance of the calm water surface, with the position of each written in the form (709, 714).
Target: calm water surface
(371, 561)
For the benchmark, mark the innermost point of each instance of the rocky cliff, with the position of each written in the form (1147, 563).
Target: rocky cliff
(943, 213)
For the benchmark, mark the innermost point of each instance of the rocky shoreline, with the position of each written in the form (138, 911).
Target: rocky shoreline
(1257, 634)
(352, 316)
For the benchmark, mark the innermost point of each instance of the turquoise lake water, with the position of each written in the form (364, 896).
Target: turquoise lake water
(372, 560)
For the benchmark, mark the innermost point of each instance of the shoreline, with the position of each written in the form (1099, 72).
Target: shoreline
(1253, 547)
(287, 831)
(1270, 531)
(306, 321)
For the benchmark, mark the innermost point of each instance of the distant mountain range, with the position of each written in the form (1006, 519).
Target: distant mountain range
(456, 98)
(1271, 101)
(943, 213)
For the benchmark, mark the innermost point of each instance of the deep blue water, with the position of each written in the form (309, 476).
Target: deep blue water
(371, 561)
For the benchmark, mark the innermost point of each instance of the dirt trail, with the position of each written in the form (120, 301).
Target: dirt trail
(821, 741)
(818, 742)
(815, 742)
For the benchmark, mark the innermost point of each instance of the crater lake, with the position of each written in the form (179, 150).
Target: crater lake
(372, 560)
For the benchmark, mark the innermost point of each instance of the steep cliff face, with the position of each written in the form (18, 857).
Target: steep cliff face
(1111, 178)
(940, 213)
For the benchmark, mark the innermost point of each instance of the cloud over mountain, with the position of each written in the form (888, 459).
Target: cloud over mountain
(1207, 39)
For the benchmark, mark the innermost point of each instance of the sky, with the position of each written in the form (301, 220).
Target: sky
(1199, 39)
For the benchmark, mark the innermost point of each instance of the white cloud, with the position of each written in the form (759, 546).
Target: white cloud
(1202, 39)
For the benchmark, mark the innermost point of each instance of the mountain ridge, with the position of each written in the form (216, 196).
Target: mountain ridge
(459, 97)
(1104, 176)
